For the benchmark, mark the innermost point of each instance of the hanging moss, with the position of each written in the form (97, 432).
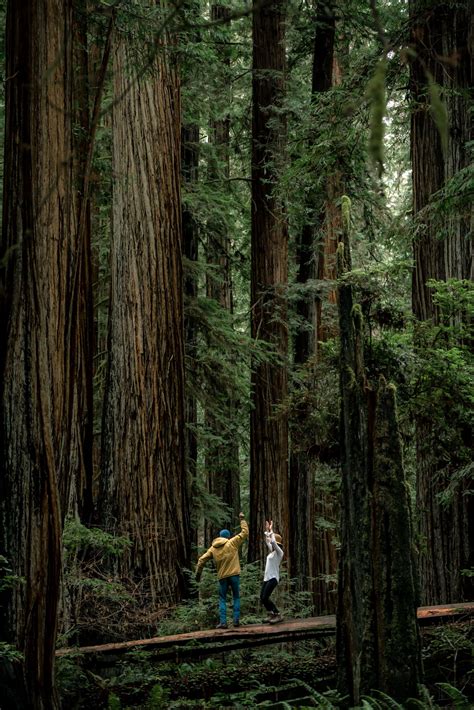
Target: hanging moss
(378, 109)
(340, 261)
(357, 316)
(346, 212)
(350, 378)
(439, 111)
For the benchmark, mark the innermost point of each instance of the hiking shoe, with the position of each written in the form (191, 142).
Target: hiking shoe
(221, 626)
(276, 619)
(236, 624)
(270, 616)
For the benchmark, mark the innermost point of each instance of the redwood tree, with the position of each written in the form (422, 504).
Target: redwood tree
(190, 150)
(38, 420)
(377, 638)
(313, 553)
(144, 491)
(441, 37)
(269, 424)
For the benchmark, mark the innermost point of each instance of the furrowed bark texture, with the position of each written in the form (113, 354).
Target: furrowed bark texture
(222, 460)
(313, 553)
(269, 486)
(376, 635)
(37, 356)
(396, 589)
(354, 633)
(442, 37)
(144, 488)
(82, 307)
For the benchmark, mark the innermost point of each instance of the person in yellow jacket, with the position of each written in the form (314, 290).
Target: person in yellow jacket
(225, 553)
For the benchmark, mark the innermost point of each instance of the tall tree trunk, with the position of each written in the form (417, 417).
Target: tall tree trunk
(442, 37)
(82, 316)
(313, 554)
(190, 151)
(222, 460)
(397, 646)
(144, 492)
(354, 635)
(377, 638)
(269, 486)
(37, 359)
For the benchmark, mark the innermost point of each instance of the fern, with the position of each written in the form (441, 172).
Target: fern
(370, 704)
(459, 699)
(388, 701)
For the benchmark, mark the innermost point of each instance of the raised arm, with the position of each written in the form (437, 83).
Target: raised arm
(238, 539)
(268, 534)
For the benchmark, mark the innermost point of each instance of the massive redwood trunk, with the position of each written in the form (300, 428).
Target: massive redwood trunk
(442, 37)
(39, 425)
(269, 425)
(144, 491)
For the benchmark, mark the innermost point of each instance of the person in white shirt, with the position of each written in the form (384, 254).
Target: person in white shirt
(272, 572)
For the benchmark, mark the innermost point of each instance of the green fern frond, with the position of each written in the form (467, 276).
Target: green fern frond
(459, 699)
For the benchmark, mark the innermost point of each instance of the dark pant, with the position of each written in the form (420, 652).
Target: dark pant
(267, 589)
(224, 584)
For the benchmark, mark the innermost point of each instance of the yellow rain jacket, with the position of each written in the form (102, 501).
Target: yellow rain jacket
(225, 553)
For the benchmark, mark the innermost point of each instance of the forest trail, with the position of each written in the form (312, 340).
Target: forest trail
(259, 634)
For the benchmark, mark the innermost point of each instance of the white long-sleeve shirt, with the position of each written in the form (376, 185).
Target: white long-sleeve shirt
(274, 558)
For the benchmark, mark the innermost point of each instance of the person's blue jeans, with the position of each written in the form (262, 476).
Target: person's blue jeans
(224, 584)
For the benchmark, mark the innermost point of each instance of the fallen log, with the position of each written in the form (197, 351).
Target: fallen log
(194, 642)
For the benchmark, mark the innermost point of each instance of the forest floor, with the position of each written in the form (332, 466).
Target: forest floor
(286, 674)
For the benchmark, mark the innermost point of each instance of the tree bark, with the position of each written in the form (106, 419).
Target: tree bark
(376, 637)
(354, 634)
(144, 488)
(442, 38)
(398, 649)
(269, 485)
(37, 356)
(79, 500)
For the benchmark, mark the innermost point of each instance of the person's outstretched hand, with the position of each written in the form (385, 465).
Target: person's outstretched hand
(241, 515)
(268, 525)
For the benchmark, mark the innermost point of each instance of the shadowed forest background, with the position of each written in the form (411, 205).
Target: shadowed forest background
(236, 274)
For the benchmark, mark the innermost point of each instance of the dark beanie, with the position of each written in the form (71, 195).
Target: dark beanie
(224, 533)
